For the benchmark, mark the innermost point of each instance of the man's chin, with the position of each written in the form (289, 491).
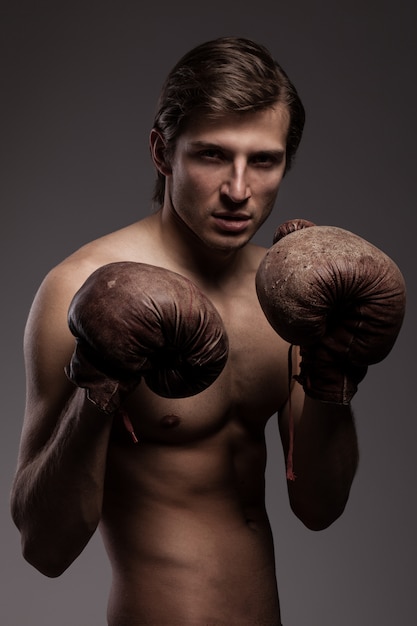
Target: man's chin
(228, 244)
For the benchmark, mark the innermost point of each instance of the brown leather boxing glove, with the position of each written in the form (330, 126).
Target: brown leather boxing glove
(338, 297)
(133, 321)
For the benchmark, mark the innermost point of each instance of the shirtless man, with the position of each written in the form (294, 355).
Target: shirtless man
(182, 512)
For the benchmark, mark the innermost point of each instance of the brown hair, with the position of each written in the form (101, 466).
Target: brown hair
(225, 75)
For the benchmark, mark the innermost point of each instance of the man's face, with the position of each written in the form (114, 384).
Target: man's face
(225, 175)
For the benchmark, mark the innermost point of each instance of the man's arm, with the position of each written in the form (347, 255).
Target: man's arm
(57, 492)
(325, 457)
(131, 321)
(342, 301)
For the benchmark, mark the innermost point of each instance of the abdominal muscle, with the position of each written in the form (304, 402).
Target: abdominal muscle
(187, 533)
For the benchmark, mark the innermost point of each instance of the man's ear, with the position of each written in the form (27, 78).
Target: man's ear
(158, 152)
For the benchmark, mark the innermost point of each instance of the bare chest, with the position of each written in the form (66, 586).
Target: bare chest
(252, 387)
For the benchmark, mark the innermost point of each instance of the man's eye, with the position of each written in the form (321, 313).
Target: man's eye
(265, 160)
(210, 154)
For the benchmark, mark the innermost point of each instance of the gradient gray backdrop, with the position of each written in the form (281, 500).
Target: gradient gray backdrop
(79, 83)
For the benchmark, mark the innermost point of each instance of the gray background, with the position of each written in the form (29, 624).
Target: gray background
(79, 83)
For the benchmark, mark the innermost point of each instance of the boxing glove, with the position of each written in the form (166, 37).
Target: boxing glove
(133, 321)
(338, 297)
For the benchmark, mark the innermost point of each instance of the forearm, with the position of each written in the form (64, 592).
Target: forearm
(57, 495)
(325, 459)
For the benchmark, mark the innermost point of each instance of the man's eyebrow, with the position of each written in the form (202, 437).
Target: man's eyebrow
(277, 152)
(271, 151)
(205, 144)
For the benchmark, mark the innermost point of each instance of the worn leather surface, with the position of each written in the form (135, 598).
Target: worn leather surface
(338, 297)
(133, 320)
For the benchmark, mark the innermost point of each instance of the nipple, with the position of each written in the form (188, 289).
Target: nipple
(170, 421)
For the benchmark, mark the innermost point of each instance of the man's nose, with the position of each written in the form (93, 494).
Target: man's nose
(236, 186)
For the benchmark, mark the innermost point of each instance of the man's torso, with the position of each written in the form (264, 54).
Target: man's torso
(184, 518)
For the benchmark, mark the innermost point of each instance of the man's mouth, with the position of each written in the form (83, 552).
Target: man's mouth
(232, 222)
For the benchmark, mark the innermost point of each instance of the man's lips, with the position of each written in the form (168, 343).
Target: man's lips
(232, 222)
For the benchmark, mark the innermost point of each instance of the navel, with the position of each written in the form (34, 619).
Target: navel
(170, 421)
(252, 524)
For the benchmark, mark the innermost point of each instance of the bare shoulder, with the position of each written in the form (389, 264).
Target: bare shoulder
(130, 243)
(47, 322)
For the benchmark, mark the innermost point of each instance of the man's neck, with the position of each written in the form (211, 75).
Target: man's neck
(208, 265)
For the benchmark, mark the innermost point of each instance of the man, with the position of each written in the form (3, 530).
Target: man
(182, 511)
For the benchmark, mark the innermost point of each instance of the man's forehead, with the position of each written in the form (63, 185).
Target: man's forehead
(272, 122)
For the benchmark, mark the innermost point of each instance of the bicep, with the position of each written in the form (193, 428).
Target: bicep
(48, 346)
